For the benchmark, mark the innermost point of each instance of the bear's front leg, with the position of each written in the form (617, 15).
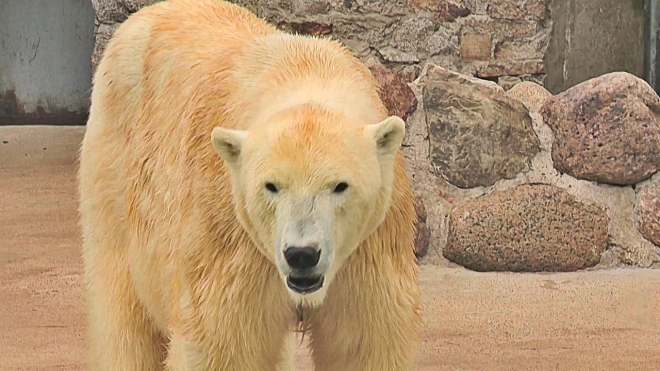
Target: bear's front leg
(232, 321)
(368, 322)
(123, 336)
(191, 355)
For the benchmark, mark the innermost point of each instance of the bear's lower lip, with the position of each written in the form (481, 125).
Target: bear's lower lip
(305, 285)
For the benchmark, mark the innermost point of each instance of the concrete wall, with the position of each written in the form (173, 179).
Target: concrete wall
(45, 48)
(592, 37)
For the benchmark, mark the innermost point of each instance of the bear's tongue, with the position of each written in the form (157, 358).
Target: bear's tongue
(305, 285)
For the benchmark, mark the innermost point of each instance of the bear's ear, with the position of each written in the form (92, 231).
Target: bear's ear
(228, 143)
(388, 135)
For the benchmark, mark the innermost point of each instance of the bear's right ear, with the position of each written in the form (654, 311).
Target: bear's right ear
(228, 143)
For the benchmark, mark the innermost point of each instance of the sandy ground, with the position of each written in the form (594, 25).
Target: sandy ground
(604, 320)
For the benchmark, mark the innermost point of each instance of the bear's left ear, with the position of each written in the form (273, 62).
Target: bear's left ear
(388, 135)
(228, 143)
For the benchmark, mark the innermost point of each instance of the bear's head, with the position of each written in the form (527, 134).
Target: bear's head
(309, 186)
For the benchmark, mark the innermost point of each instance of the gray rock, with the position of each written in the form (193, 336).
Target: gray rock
(411, 34)
(477, 134)
(648, 211)
(536, 10)
(434, 72)
(479, 7)
(390, 54)
(423, 234)
(444, 41)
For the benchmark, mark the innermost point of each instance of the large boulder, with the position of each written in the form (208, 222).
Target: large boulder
(529, 228)
(477, 134)
(606, 129)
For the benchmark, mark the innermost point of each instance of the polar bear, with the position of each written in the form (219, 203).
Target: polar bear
(238, 183)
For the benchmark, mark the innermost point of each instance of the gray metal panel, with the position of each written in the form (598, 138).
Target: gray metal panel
(45, 49)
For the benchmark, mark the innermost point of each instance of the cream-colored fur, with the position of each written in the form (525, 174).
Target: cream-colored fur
(196, 104)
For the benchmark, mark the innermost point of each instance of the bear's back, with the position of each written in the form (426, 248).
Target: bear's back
(145, 142)
(168, 76)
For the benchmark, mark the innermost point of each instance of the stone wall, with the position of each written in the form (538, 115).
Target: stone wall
(485, 38)
(507, 176)
(501, 40)
(525, 181)
(558, 43)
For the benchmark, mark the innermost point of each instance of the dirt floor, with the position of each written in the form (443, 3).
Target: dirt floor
(605, 320)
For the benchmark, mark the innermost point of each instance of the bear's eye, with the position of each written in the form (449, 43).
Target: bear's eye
(271, 187)
(341, 187)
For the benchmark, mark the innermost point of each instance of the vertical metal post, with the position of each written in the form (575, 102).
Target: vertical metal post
(652, 10)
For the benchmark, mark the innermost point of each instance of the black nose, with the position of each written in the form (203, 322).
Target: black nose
(302, 257)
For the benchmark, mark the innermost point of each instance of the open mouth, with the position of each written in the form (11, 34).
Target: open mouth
(305, 285)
